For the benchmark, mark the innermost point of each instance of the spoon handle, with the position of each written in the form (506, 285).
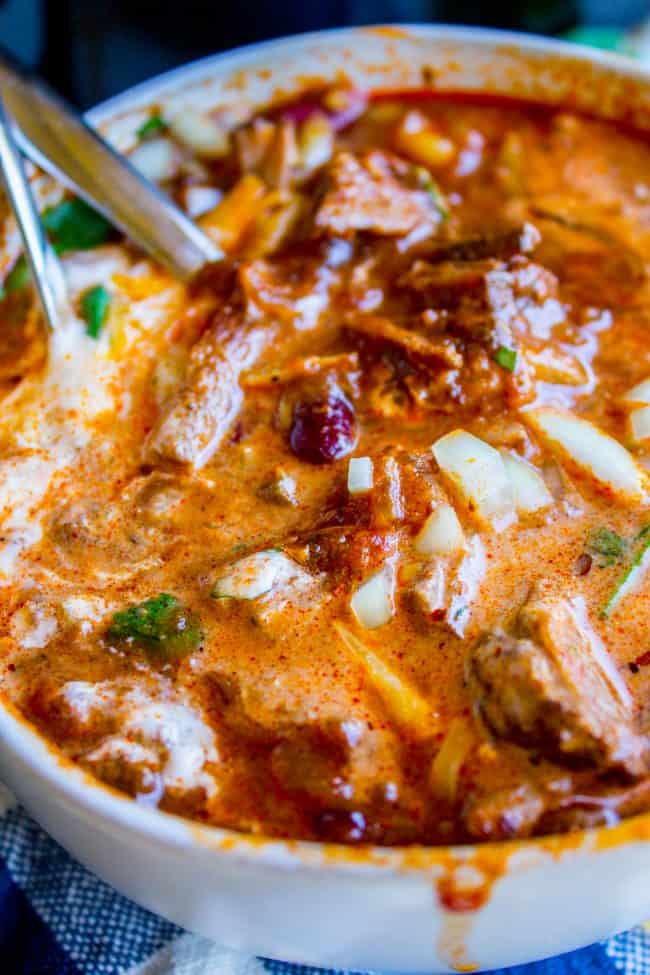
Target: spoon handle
(59, 141)
(43, 262)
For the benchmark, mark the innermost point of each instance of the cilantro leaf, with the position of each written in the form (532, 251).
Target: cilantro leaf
(72, 225)
(607, 545)
(153, 126)
(506, 358)
(161, 626)
(95, 303)
(17, 277)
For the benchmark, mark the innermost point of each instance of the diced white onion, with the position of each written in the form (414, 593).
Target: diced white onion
(528, 487)
(639, 395)
(157, 159)
(441, 534)
(477, 472)
(254, 576)
(372, 603)
(360, 475)
(640, 423)
(198, 200)
(200, 133)
(591, 451)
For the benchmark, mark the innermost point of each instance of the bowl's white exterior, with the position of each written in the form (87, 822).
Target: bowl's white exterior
(328, 905)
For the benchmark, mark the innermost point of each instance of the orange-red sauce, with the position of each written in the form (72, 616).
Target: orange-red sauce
(316, 342)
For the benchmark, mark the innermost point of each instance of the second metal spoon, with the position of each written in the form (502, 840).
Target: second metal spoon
(59, 141)
(43, 262)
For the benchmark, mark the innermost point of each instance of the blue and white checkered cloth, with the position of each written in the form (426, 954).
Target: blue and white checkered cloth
(56, 918)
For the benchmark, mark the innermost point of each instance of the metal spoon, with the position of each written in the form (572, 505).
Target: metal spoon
(59, 141)
(43, 262)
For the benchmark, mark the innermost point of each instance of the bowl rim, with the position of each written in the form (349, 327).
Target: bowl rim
(107, 807)
(197, 70)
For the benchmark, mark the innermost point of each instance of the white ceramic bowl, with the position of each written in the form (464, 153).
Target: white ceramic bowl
(325, 904)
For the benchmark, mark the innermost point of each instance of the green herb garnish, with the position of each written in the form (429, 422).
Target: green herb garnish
(506, 358)
(607, 546)
(161, 626)
(17, 278)
(426, 182)
(72, 225)
(153, 125)
(630, 577)
(94, 307)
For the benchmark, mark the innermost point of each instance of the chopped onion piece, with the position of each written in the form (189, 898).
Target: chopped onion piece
(372, 603)
(198, 200)
(590, 451)
(441, 534)
(640, 423)
(477, 473)
(360, 475)
(528, 487)
(200, 133)
(157, 159)
(254, 575)
(639, 395)
(400, 699)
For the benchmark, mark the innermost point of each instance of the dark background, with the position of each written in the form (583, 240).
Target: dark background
(90, 50)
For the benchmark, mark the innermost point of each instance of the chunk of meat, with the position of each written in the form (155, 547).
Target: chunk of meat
(75, 712)
(334, 760)
(483, 300)
(502, 245)
(576, 241)
(437, 350)
(376, 192)
(293, 290)
(503, 814)
(345, 364)
(256, 300)
(345, 771)
(553, 688)
(347, 552)
(594, 808)
(198, 416)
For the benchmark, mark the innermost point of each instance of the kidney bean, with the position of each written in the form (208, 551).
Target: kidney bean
(323, 430)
